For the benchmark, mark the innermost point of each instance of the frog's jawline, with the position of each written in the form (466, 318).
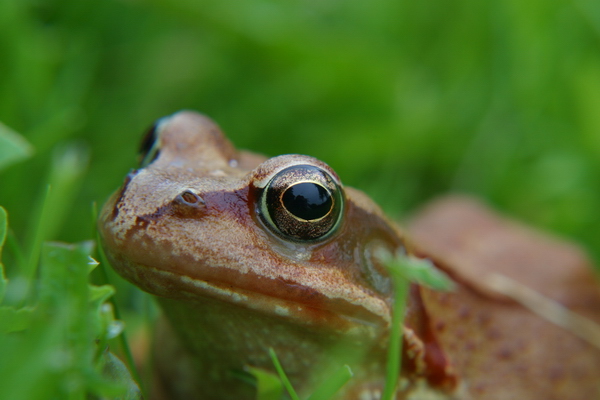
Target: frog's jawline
(353, 319)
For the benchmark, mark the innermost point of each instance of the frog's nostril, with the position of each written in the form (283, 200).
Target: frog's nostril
(188, 203)
(191, 198)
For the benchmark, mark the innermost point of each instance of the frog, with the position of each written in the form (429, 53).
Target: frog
(246, 253)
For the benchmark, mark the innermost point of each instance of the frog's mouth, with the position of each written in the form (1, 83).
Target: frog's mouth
(290, 301)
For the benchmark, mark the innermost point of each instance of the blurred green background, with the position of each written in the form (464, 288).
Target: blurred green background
(407, 99)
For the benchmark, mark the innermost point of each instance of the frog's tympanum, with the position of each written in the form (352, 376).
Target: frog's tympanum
(245, 254)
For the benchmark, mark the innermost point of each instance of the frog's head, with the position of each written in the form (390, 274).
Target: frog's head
(282, 235)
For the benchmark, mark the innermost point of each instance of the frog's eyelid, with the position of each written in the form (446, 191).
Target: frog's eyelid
(273, 166)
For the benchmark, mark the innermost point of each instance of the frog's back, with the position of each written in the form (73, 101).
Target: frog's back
(499, 328)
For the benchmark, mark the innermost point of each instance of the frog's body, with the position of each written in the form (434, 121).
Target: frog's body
(246, 253)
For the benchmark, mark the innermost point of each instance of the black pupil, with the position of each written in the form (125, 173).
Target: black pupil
(307, 200)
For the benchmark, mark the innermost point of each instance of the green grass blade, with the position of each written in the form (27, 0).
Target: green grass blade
(3, 230)
(67, 169)
(394, 359)
(405, 269)
(284, 379)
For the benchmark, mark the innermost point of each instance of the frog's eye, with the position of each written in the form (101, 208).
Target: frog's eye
(150, 146)
(302, 203)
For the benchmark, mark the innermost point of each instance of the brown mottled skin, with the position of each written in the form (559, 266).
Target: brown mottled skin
(187, 229)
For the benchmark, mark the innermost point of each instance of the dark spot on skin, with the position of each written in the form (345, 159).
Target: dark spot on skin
(479, 389)
(459, 333)
(312, 296)
(521, 369)
(115, 211)
(470, 346)
(144, 220)
(484, 319)
(493, 334)
(440, 326)
(557, 374)
(464, 312)
(505, 353)
(141, 222)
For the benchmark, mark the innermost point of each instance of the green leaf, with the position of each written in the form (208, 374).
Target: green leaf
(333, 384)
(100, 294)
(59, 351)
(117, 377)
(53, 356)
(425, 273)
(64, 273)
(418, 270)
(14, 320)
(13, 147)
(268, 385)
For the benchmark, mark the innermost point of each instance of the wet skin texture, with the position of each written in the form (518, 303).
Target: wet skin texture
(245, 253)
